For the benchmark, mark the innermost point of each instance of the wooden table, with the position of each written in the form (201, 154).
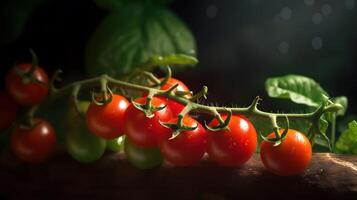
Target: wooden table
(329, 176)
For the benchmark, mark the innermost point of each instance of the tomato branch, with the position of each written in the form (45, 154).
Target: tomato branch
(104, 81)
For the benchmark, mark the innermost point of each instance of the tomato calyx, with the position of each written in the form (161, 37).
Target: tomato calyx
(105, 97)
(223, 124)
(279, 138)
(28, 76)
(147, 108)
(178, 127)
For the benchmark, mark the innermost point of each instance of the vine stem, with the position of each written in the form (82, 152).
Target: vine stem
(248, 111)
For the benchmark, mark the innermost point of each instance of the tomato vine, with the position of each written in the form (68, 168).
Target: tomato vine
(104, 81)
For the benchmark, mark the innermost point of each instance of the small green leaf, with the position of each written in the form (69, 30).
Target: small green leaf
(299, 89)
(343, 101)
(348, 140)
(129, 37)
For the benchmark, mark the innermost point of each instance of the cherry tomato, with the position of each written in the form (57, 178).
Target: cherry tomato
(82, 145)
(174, 106)
(27, 94)
(36, 144)
(143, 131)
(235, 146)
(291, 157)
(142, 158)
(107, 121)
(8, 111)
(116, 144)
(188, 147)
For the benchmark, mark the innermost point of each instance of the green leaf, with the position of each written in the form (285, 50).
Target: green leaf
(130, 37)
(299, 89)
(344, 102)
(347, 142)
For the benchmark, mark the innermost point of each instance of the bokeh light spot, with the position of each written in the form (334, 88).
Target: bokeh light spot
(285, 13)
(349, 4)
(316, 43)
(317, 18)
(283, 47)
(309, 2)
(211, 11)
(326, 9)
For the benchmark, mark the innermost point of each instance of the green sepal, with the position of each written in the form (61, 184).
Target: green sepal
(177, 128)
(222, 126)
(148, 110)
(105, 100)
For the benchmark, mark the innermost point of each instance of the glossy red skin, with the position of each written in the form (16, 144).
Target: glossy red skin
(291, 157)
(107, 121)
(235, 146)
(8, 110)
(34, 145)
(27, 94)
(174, 106)
(188, 147)
(146, 132)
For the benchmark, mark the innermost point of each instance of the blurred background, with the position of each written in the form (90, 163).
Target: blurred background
(239, 43)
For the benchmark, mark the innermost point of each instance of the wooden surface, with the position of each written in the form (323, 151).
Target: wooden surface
(329, 176)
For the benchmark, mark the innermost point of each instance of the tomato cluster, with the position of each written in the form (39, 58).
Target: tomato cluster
(26, 86)
(147, 140)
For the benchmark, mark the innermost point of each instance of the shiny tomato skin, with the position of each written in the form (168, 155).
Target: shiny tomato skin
(188, 147)
(107, 121)
(28, 94)
(143, 131)
(8, 110)
(235, 146)
(142, 158)
(289, 158)
(36, 144)
(174, 106)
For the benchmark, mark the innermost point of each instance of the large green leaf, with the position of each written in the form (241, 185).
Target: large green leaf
(299, 89)
(347, 143)
(129, 37)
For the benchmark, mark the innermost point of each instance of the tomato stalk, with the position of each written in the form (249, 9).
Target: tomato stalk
(252, 110)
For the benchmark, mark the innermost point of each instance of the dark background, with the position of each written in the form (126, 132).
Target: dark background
(240, 44)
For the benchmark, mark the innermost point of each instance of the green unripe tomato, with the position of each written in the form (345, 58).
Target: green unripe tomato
(142, 158)
(80, 143)
(116, 144)
(84, 146)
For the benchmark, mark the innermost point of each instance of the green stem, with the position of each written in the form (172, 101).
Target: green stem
(194, 106)
(333, 131)
(249, 111)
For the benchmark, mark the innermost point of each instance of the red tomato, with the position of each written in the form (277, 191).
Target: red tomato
(188, 147)
(291, 157)
(235, 146)
(36, 144)
(174, 106)
(27, 94)
(143, 131)
(8, 110)
(107, 121)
